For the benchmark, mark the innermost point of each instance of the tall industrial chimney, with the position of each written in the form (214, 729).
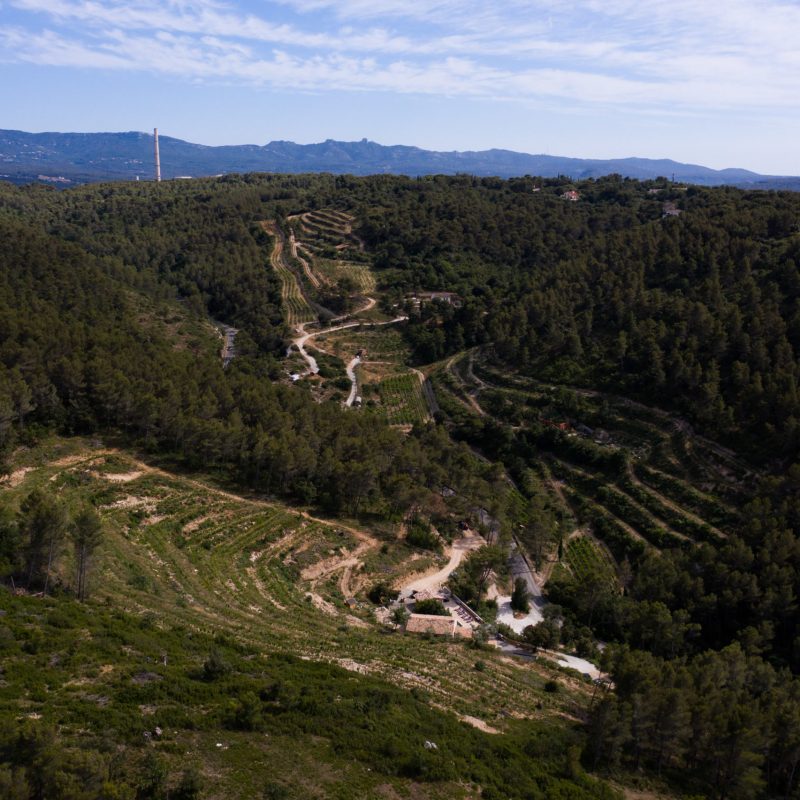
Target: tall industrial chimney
(158, 158)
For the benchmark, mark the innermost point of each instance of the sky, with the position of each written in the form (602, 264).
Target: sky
(703, 81)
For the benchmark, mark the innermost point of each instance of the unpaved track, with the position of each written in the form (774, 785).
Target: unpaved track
(300, 341)
(278, 260)
(470, 399)
(351, 373)
(471, 373)
(427, 393)
(346, 562)
(437, 579)
(351, 367)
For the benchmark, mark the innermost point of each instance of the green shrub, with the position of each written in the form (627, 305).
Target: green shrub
(381, 594)
(431, 606)
(520, 597)
(276, 791)
(215, 666)
(421, 535)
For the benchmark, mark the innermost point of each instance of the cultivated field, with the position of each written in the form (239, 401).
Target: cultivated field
(584, 557)
(333, 271)
(401, 400)
(182, 552)
(327, 233)
(331, 252)
(382, 346)
(389, 388)
(638, 476)
(296, 308)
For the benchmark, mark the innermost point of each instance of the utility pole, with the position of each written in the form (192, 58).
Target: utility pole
(158, 158)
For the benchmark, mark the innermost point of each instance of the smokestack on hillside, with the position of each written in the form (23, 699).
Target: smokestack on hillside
(158, 158)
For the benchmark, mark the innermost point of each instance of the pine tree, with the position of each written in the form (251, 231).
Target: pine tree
(43, 525)
(86, 533)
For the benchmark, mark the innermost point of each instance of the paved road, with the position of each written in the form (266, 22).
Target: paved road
(519, 568)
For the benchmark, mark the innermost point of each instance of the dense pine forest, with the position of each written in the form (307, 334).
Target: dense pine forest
(669, 312)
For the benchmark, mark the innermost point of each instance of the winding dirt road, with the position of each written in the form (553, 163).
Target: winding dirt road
(437, 579)
(469, 394)
(350, 369)
(278, 260)
(313, 367)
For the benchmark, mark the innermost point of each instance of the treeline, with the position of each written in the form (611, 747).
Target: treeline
(722, 724)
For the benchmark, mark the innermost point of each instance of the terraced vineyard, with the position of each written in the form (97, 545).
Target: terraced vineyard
(402, 401)
(586, 558)
(180, 552)
(296, 308)
(326, 232)
(332, 250)
(629, 471)
(389, 389)
(360, 275)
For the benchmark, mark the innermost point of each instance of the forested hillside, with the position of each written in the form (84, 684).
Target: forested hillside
(697, 312)
(608, 382)
(81, 353)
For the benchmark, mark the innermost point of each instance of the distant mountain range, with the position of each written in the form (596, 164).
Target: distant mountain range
(68, 158)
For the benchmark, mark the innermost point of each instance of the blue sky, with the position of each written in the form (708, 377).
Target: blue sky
(704, 81)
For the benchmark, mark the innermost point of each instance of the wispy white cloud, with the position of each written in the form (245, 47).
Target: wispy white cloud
(634, 53)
